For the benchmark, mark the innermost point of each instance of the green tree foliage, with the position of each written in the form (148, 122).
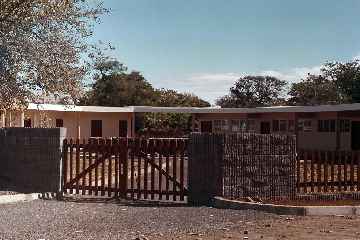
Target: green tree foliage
(178, 123)
(337, 83)
(172, 98)
(43, 49)
(346, 77)
(254, 91)
(115, 86)
(314, 90)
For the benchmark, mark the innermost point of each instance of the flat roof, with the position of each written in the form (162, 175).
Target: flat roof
(149, 109)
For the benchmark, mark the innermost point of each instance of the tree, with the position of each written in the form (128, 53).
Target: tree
(43, 49)
(253, 91)
(180, 123)
(314, 90)
(346, 77)
(172, 98)
(114, 86)
(337, 83)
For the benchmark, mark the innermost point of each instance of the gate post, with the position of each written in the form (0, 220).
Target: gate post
(205, 176)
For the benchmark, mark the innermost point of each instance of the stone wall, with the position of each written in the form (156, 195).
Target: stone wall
(30, 159)
(258, 165)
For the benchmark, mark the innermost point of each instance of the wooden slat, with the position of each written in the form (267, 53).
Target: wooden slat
(326, 170)
(124, 149)
(77, 163)
(96, 151)
(345, 167)
(182, 150)
(339, 174)
(174, 148)
(352, 171)
(167, 170)
(306, 154)
(152, 169)
(312, 171)
(332, 171)
(104, 156)
(318, 170)
(144, 147)
(139, 162)
(109, 170)
(160, 146)
(132, 169)
(90, 162)
(298, 170)
(65, 164)
(116, 165)
(71, 163)
(358, 170)
(83, 153)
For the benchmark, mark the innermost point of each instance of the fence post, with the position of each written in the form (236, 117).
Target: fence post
(205, 167)
(61, 164)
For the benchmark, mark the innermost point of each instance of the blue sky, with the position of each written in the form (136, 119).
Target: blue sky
(203, 46)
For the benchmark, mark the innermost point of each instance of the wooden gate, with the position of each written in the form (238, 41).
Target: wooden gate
(153, 169)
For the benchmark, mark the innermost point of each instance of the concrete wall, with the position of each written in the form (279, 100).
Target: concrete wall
(78, 124)
(30, 158)
(308, 140)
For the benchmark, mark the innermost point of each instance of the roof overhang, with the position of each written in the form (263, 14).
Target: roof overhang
(148, 109)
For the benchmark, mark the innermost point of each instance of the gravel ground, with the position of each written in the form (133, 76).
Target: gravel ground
(94, 219)
(111, 220)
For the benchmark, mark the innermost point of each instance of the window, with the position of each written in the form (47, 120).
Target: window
(279, 125)
(305, 125)
(326, 125)
(344, 125)
(221, 125)
(59, 123)
(96, 128)
(275, 125)
(238, 125)
(27, 122)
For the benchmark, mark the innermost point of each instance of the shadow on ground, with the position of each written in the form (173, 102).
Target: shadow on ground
(121, 201)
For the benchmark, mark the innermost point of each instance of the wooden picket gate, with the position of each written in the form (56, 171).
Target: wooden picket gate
(328, 171)
(153, 169)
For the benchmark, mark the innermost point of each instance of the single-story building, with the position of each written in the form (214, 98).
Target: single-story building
(324, 127)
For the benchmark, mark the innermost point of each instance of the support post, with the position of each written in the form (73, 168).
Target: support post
(10, 119)
(3, 118)
(132, 122)
(22, 119)
(78, 127)
(35, 124)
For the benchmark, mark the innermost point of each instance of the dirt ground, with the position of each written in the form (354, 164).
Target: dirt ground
(288, 227)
